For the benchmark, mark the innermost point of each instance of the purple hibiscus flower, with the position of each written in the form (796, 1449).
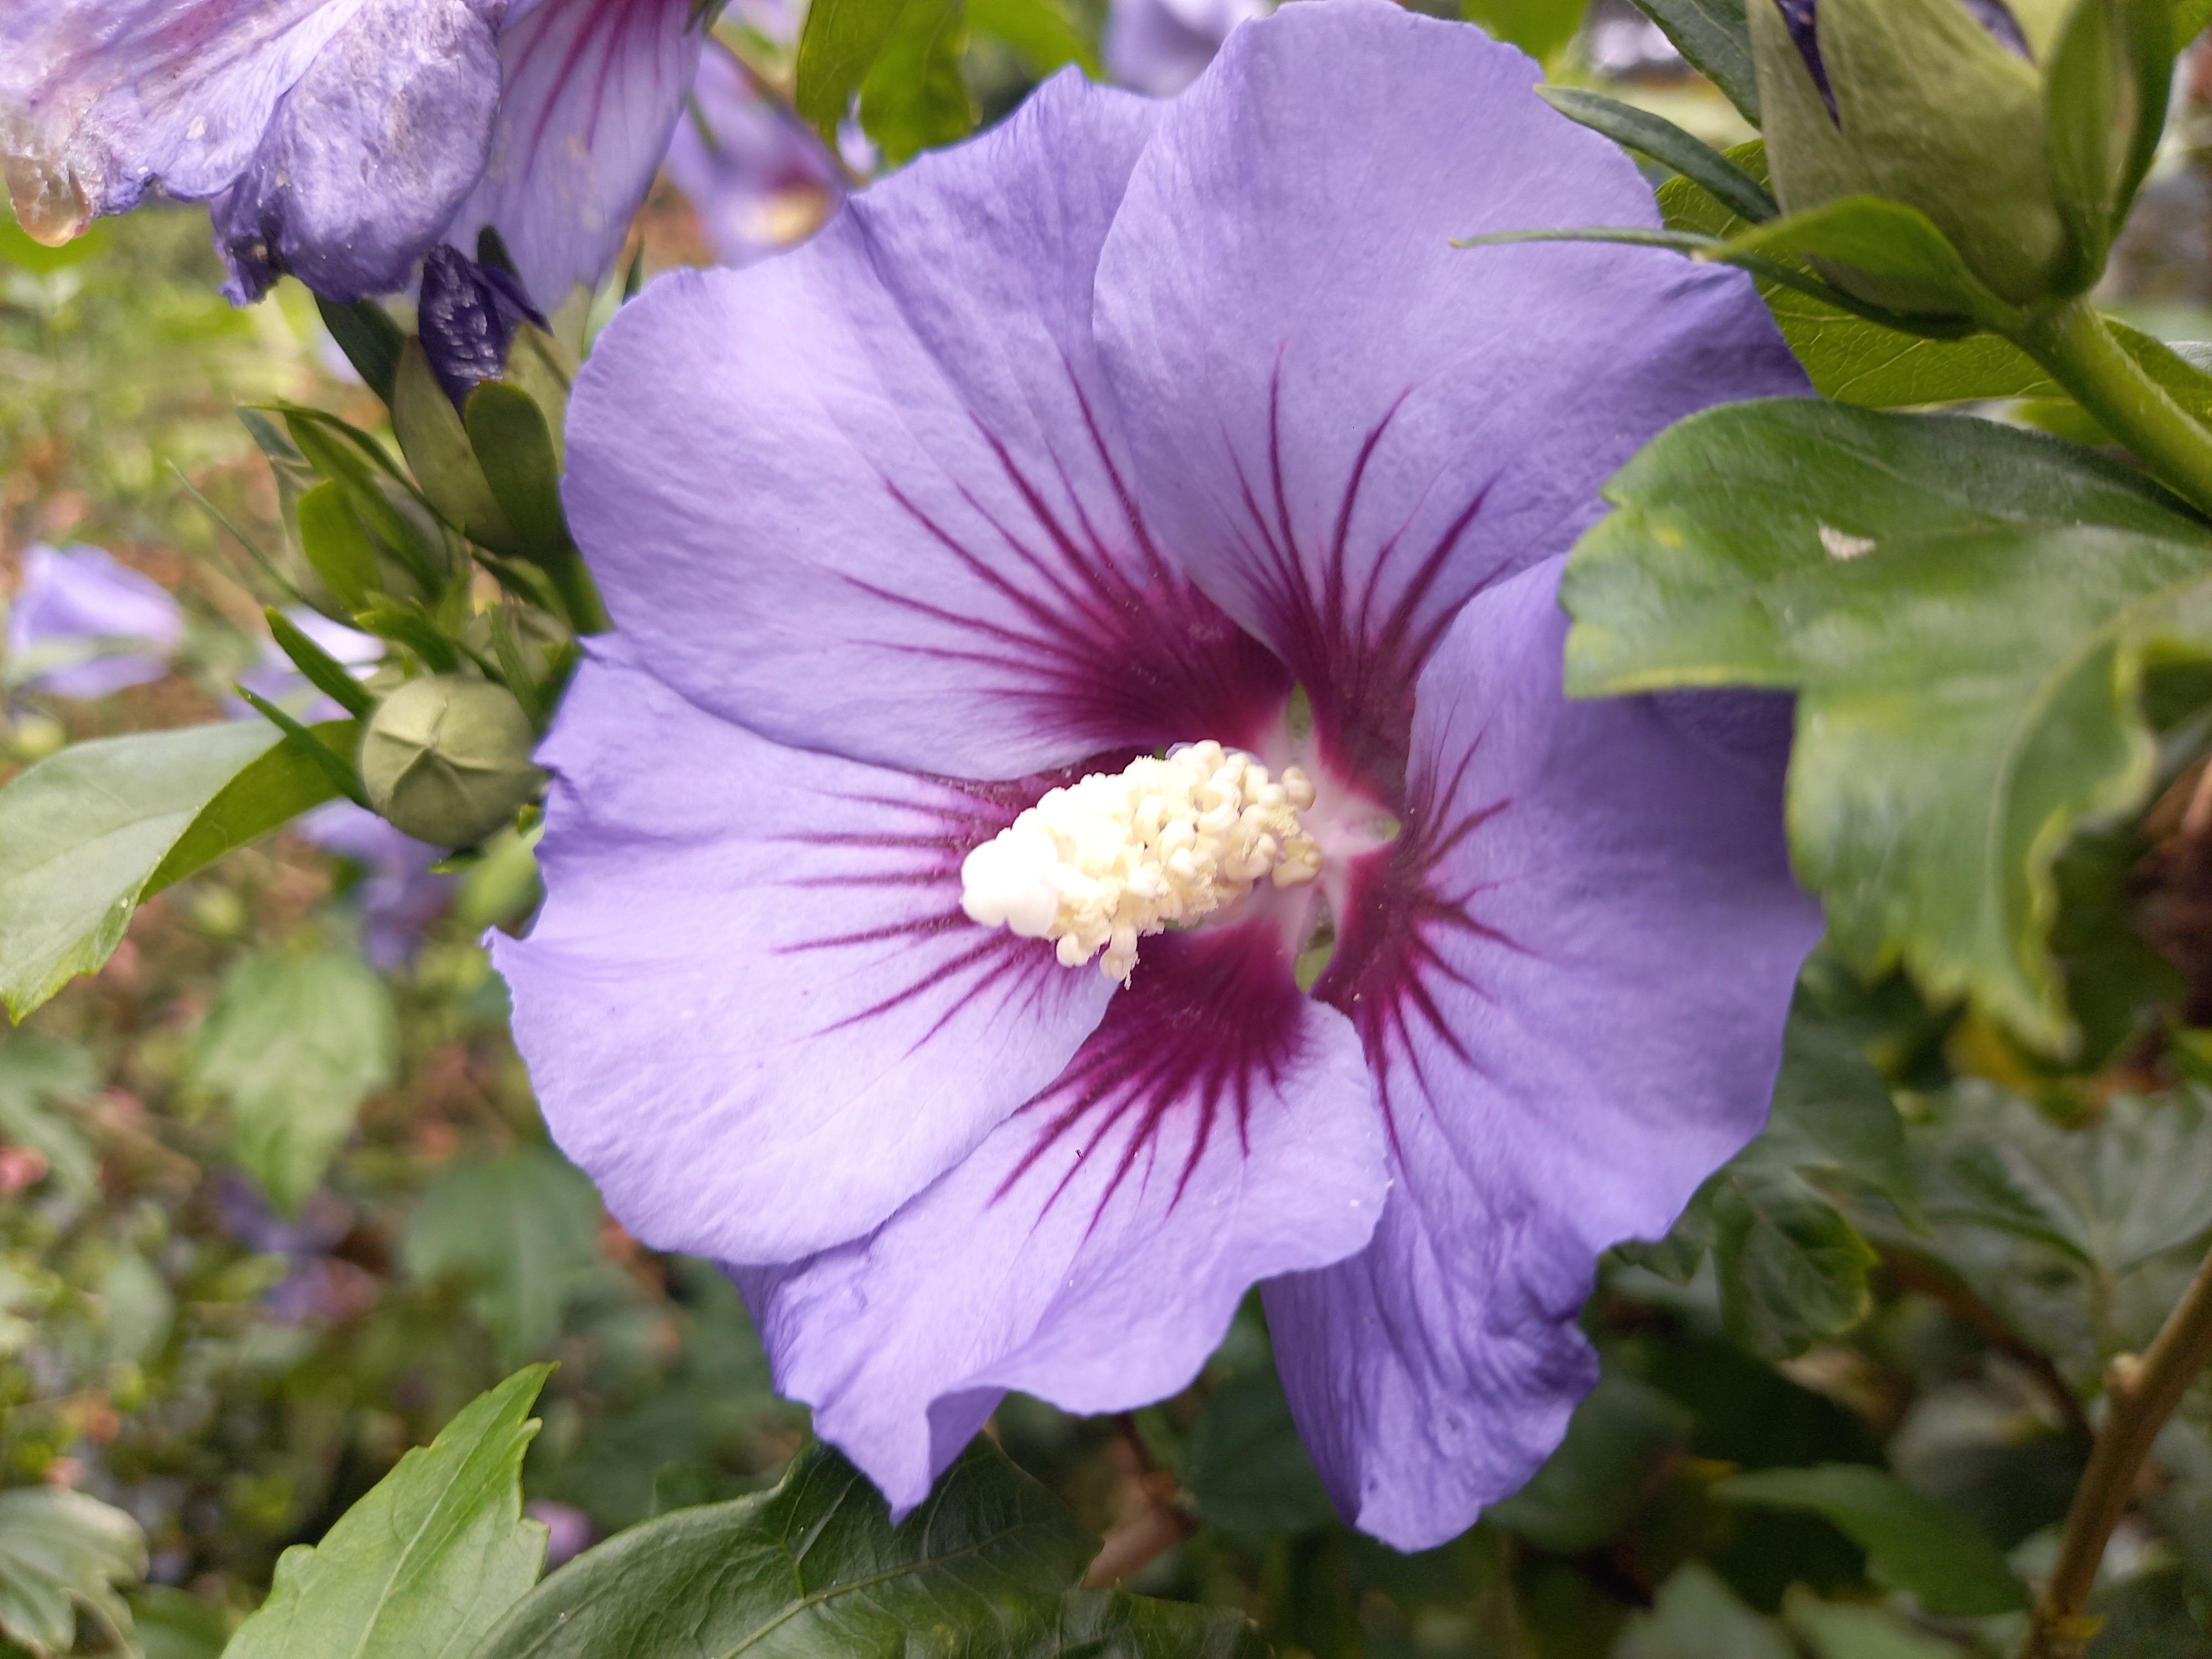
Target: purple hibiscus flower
(100, 625)
(1161, 46)
(1141, 526)
(340, 140)
(757, 175)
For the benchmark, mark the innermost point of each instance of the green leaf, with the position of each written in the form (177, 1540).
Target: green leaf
(915, 97)
(1854, 1630)
(1599, 1477)
(364, 330)
(1245, 1465)
(1696, 1616)
(1664, 142)
(294, 1043)
(1113, 1625)
(336, 545)
(1915, 1542)
(1833, 1117)
(1039, 31)
(426, 1563)
(519, 1228)
(837, 45)
(2189, 19)
(515, 446)
(1792, 1269)
(339, 770)
(1963, 609)
(1846, 354)
(61, 1552)
(83, 832)
(1539, 27)
(36, 1072)
(437, 446)
(1715, 38)
(815, 1567)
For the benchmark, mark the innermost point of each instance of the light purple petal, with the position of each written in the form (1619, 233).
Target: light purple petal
(79, 596)
(1161, 46)
(369, 153)
(1217, 1129)
(1342, 425)
(890, 518)
(591, 88)
(399, 897)
(1570, 972)
(758, 177)
(754, 1010)
(110, 96)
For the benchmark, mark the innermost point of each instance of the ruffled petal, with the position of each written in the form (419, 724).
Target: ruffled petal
(1570, 972)
(885, 512)
(591, 89)
(100, 98)
(79, 604)
(758, 177)
(368, 155)
(1216, 1130)
(753, 1008)
(1342, 425)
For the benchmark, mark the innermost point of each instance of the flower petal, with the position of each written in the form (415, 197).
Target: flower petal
(1341, 425)
(369, 153)
(1216, 1130)
(1570, 972)
(887, 514)
(591, 89)
(757, 176)
(753, 1008)
(102, 98)
(1161, 46)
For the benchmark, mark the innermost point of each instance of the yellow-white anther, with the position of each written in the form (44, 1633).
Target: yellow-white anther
(1115, 858)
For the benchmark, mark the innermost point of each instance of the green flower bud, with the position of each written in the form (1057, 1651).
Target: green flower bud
(446, 759)
(1944, 105)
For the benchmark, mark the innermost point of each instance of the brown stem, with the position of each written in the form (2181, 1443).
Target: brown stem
(2141, 1395)
(1910, 1274)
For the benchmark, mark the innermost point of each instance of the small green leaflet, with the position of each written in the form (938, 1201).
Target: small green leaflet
(989, 1564)
(425, 1564)
(293, 1044)
(1714, 36)
(1965, 610)
(520, 1229)
(1915, 1541)
(61, 1552)
(84, 832)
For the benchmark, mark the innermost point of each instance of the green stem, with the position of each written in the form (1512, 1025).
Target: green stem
(2104, 378)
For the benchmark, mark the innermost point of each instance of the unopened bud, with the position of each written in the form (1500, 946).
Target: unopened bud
(446, 759)
(1937, 104)
(467, 315)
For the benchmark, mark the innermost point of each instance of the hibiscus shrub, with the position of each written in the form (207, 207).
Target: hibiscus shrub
(1339, 857)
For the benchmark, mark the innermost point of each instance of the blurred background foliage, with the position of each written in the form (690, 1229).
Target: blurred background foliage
(269, 1216)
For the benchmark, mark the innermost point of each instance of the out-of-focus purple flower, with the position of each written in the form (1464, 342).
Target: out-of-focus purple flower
(339, 140)
(567, 1530)
(1161, 46)
(1066, 454)
(399, 895)
(759, 176)
(316, 1284)
(103, 624)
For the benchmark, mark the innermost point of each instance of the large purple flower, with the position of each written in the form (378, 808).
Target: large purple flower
(1129, 429)
(341, 139)
(82, 625)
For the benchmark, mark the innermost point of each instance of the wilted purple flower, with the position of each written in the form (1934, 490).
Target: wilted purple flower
(102, 624)
(1161, 46)
(1088, 439)
(757, 175)
(339, 140)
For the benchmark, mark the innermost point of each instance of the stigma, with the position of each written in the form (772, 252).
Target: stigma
(1119, 856)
